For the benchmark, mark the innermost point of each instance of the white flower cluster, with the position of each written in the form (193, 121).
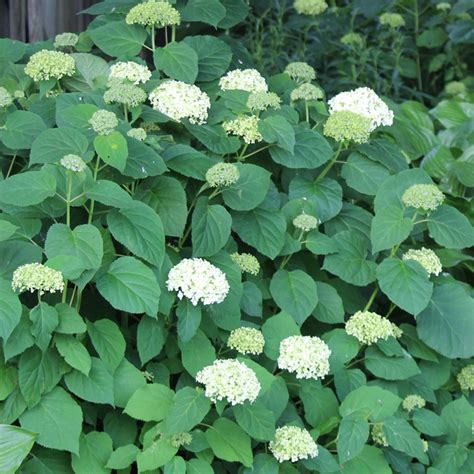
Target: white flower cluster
(231, 380)
(306, 356)
(45, 65)
(427, 258)
(259, 101)
(103, 122)
(306, 92)
(244, 126)
(345, 126)
(222, 174)
(424, 197)
(126, 94)
(411, 402)
(368, 327)
(292, 443)
(246, 340)
(305, 222)
(65, 40)
(310, 7)
(73, 163)
(130, 71)
(363, 101)
(5, 98)
(245, 80)
(137, 133)
(378, 436)
(37, 277)
(153, 13)
(465, 378)
(300, 71)
(247, 262)
(179, 100)
(199, 281)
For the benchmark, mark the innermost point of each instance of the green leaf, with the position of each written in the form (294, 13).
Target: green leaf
(112, 149)
(402, 437)
(127, 380)
(122, 457)
(406, 283)
(236, 12)
(371, 460)
(150, 402)
(261, 228)
(91, 71)
(276, 129)
(11, 51)
(150, 339)
(197, 353)
(57, 419)
(84, 243)
(178, 61)
(329, 308)
(70, 321)
(130, 286)
(45, 320)
(295, 293)
(108, 341)
(311, 151)
(94, 451)
(214, 138)
(157, 455)
(352, 436)
(250, 190)
(390, 368)
(211, 225)
(349, 263)
(167, 198)
(15, 444)
(54, 143)
(40, 185)
(347, 380)
(275, 329)
(21, 130)
(319, 243)
(7, 229)
(187, 161)
(343, 348)
(142, 161)
(370, 401)
(256, 420)
(447, 324)
(188, 408)
(10, 310)
(351, 217)
(451, 229)
(205, 11)
(363, 174)
(213, 55)
(139, 228)
(429, 422)
(389, 228)
(189, 319)
(458, 416)
(229, 442)
(109, 193)
(96, 387)
(118, 39)
(74, 353)
(320, 403)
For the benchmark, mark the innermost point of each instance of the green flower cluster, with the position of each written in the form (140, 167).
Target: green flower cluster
(181, 439)
(45, 65)
(222, 175)
(465, 378)
(378, 436)
(443, 6)
(126, 94)
(292, 443)
(73, 163)
(305, 222)
(455, 88)
(5, 98)
(427, 258)
(310, 7)
(368, 327)
(37, 277)
(423, 197)
(393, 20)
(300, 71)
(65, 40)
(411, 402)
(346, 126)
(137, 133)
(260, 101)
(244, 126)
(103, 122)
(246, 262)
(352, 39)
(246, 340)
(306, 92)
(153, 14)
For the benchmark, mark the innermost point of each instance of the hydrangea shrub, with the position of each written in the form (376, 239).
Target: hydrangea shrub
(205, 269)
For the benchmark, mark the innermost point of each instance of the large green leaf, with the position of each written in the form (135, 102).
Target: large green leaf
(371, 459)
(108, 341)
(139, 228)
(447, 324)
(10, 310)
(21, 130)
(178, 61)
(189, 319)
(44, 320)
(57, 419)
(390, 368)
(329, 308)
(295, 293)
(389, 228)
(275, 329)
(256, 420)
(352, 436)
(150, 402)
(94, 451)
(74, 352)
(112, 149)
(451, 229)
(109, 193)
(150, 339)
(206, 11)
(197, 353)
(406, 283)
(276, 129)
(15, 444)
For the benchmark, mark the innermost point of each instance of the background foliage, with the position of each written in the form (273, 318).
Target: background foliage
(100, 379)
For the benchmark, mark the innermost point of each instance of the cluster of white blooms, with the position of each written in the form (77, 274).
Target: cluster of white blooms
(199, 281)
(103, 122)
(305, 222)
(37, 277)
(455, 88)
(345, 126)
(393, 20)
(179, 100)
(18, 94)
(246, 340)
(222, 175)
(126, 94)
(181, 439)
(247, 262)
(137, 133)
(5, 98)
(306, 356)
(378, 436)
(244, 126)
(300, 71)
(45, 65)
(424, 197)
(130, 71)
(363, 101)
(73, 163)
(368, 327)
(292, 443)
(310, 7)
(443, 6)
(465, 378)
(259, 101)
(243, 79)
(306, 92)
(153, 13)
(65, 40)
(231, 380)
(427, 258)
(352, 39)
(410, 402)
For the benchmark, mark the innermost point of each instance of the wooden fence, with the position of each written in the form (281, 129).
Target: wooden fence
(34, 20)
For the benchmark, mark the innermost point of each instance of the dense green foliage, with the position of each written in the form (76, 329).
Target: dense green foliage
(101, 362)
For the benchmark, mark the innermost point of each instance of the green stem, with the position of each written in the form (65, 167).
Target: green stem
(330, 164)
(306, 107)
(68, 200)
(153, 38)
(125, 112)
(418, 61)
(10, 168)
(242, 153)
(173, 33)
(91, 208)
(371, 299)
(166, 35)
(254, 152)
